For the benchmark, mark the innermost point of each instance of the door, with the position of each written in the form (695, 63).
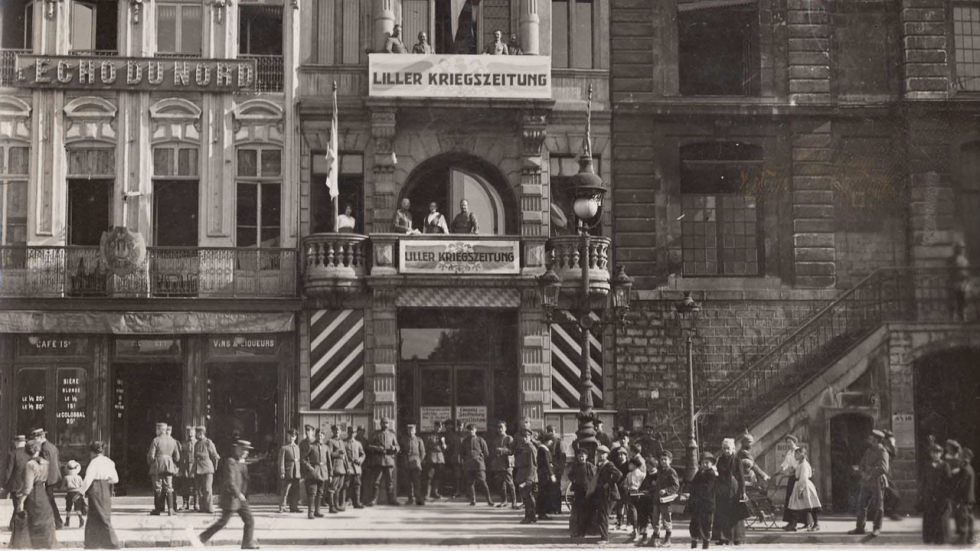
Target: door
(446, 392)
(481, 198)
(848, 440)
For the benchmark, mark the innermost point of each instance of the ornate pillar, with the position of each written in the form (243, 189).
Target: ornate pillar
(535, 196)
(535, 354)
(384, 22)
(380, 214)
(382, 356)
(530, 27)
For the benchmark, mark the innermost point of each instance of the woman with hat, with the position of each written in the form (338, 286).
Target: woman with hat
(234, 476)
(805, 503)
(100, 475)
(935, 497)
(34, 504)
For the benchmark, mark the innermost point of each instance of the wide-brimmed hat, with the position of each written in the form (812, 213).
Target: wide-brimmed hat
(245, 444)
(38, 432)
(793, 438)
(73, 466)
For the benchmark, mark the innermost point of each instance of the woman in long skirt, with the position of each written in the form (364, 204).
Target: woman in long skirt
(729, 489)
(805, 503)
(34, 502)
(99, 478)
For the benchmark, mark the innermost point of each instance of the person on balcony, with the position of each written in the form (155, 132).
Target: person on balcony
(422, 46)
(346, 221)
(514, 46)
(465, 221)
(497, 47)
(435, 222)
(403, 219)
(393, 42)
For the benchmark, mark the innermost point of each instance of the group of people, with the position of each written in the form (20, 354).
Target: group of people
(186, 467)
(948, 490)
(394, 44)
(34, 473)
(435, 222)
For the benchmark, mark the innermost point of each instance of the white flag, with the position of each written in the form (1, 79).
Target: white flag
(333, 152)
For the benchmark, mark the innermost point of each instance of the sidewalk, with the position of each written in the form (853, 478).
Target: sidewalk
(438, 523)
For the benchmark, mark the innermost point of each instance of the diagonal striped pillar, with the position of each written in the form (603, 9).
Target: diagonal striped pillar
(566, 361)
(336, 359)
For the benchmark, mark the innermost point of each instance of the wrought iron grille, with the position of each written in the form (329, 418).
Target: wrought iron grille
(7, 66)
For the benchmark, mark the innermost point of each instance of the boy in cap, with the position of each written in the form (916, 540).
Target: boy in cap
(73, 495)
(631, 491)
(935, 497)
(231, 497)
(605, 492)
(666, 492)
(580, 474)
(702, 501)
(414, 450)
(644, 503)
(872, 469)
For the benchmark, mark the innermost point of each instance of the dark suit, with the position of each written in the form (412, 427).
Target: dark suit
(606, 493)
(580, 474)
(414, 450)
(50, 452)
(290, 473)
(234, 476)
(316, 466)
(935, 502)
(526, 478)
(454, 464)
(702, 504)
(473, 454)
(874, 472)
(963, 496)
(13, 479)
(545, 485)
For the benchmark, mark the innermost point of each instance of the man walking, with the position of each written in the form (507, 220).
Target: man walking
(502, 465)
(163, 457)
(526, 476)
(289, 474)
(13, 479)
(872, 469)
(355, 461)
(231, 498)
(414, 450)
(384, 448)
(473, 454)
(49, 451)
(205, 458)
(338, 470)
(316, 465)
(435, 450)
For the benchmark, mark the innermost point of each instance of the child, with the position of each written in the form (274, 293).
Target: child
(666, 492)
(644, 504)
(963, 496)
(580, 474)
(634, 479)
(620, 458)
(804, 500)
(703, 501)
(935, 497)
(74, 499)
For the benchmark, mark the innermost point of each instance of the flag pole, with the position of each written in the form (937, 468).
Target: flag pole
(334, 133)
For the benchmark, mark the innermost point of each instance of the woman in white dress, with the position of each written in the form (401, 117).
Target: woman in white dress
(804, 501)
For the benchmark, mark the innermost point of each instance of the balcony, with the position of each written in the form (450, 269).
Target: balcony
(172, 272)
(269, 72)
(333, 261)
(8, 71)
(568, 261)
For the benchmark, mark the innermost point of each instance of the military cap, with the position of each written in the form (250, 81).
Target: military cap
(667, 454)
(201, 428)
(360, 428)
(308, 427)
(470, 426)
(38, 432)
(708, 456)
(877, 433)
(243, 444)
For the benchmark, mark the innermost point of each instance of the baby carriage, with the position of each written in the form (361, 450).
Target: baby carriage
(763, 513)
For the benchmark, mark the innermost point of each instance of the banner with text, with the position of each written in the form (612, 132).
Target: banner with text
(459, 76)
(430, 256)
(475, 415)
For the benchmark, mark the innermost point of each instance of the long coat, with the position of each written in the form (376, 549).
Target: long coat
(355, 456)
(501, 450)
(205, 457)
(474, 453)
(289, 462)
(414, 450)
(435, 449)
(316, 462)
(384, 448)
(50, 452)
(13, 480)
(234, 476)
(338, 456)
(526, 466)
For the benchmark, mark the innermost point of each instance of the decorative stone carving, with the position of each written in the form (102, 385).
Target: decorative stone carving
(175, 119)
(533, 133)
(258, 120)
(15, 118)
(383, 131)
(90, 118)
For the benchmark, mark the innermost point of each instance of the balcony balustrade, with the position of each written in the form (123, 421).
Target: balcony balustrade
(269, 72)
(333, 261)
(568, 261)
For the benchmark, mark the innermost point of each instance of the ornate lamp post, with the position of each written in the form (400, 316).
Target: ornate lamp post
(689, 306)
(588, 190)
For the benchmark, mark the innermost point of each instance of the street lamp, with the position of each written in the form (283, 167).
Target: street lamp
(588, 189)
(689, 306)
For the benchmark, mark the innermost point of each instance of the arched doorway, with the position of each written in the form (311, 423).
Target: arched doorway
(453, 177)
(848, 440)
(947, 398)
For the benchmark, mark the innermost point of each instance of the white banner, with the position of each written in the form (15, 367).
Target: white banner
(459, 76)
(477, 415)
(444, 256)
(430, 414)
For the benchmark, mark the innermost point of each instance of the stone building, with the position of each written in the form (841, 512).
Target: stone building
(803, 169)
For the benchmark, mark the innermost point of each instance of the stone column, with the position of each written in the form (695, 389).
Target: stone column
(535, 360)
(380, 213)
(810, 37)
(384, 22)
(925, 49)
(382, 356)
(814, 250)
(530, 27)
(534, 194)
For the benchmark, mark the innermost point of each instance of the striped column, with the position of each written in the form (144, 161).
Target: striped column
(336, 359)
(566, 362)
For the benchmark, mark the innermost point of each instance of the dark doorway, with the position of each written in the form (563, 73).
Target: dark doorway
(175, 213)
(848, 440)
(144, 394)
(947, 399)
(88, 210)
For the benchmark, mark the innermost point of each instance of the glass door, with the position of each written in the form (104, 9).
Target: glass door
(472, 398)
(435, 396)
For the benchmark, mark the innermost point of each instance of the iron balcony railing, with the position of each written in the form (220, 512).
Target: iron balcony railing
(269, 72)
(71, 271)
(8, 68)
(95, 53)
(887, 295)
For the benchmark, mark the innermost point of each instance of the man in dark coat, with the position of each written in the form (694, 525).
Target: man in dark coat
(873, 470)
(605, 491)
(526, 476)
(50, 452)
(338, 470)
(163, 457)
(963, 493)
(473, 454)
(355, 462)
(702, 501)
(729, 494)
(502, 464)
(316, 466)
(384, 449)
(559, 461)
(601, 436)
(290, 473)
(546, 478)
(934, 497)
(233, 474)
(13, 478)
(454, 463)
(580, 474)
(363, 471)
(435, 462)
(414, 450)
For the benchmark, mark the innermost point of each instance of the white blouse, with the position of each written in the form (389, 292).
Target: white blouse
(100, 468)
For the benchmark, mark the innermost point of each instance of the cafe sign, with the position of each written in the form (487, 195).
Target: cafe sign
(463, 257)
(459, 76)
(134, 73)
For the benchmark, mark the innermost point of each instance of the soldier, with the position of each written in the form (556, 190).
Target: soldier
(393, 42)
(473, 454)
(526, 476)
(361, 437)
(205, 458)
(338, 470)
(231, 499)
(163, 456)
(50, 452)
(502, 464)
(290, 473)
(304, 448)
(316, 466)
(454, 463)
(185, 474)
(414, 450)
(384, 448)
(559, 459)
(13, 479)
(435, 446)
(355, 460)
(872, 469)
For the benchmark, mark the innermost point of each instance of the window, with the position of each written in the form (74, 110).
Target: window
(572, 33)
(91, 175)
(260, 30)
(336, 34)
(351, 192)
(259, 197)
(175, 196)
(93, 27)
(16, 28)
(718, 50)
(14, 168)
(966, 33)
(179, 29)
(562, 167)
(58, 397)
(720, 215)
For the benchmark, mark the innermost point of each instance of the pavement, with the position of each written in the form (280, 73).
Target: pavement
(437, 524)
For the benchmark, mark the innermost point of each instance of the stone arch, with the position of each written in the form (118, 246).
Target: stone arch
(15, 115)
(175, 120)
(175, 109)
(258, 120)
(90, 107)
(416, 148)
(90, 119)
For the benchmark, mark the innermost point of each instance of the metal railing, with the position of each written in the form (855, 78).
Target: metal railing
(71, 271)
(887, 295)
(8, 68)
(94, 53)
(269, 72)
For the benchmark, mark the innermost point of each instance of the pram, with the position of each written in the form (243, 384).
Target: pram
(764, 514)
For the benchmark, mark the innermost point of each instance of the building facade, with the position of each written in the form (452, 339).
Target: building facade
(803, 168)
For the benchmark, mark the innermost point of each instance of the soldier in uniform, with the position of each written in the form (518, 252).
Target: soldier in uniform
(205, 458)
(289, 473)
(384, 448)
(473, 454)
(526, 476)
(13, 479)
(435, 461)
(502, 464)
(338, 470)
(365, 471)
(163, 457)
(304, 448)
(873, 470)
(454, 464)
(316, 466)
(414, 450)
(355, 460)
(231, 497)
(185, 474)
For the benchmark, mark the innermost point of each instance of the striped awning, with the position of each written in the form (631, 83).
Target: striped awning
(336, 359)
(566, 362)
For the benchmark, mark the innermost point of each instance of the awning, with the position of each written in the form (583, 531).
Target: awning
(709, 4)
(145, 323)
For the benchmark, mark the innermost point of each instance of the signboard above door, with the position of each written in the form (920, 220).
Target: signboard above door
(459, 76)
(459, 256)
